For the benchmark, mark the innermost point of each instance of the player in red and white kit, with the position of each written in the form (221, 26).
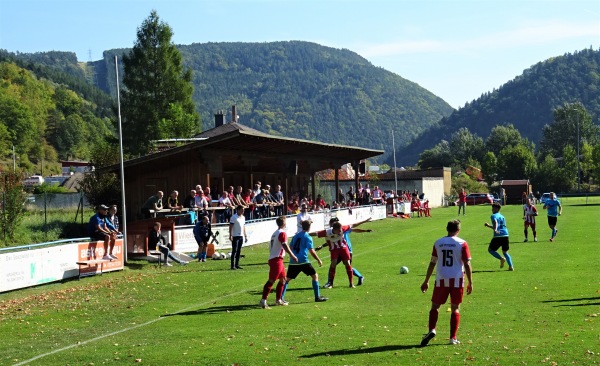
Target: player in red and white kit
(453, 259)
(278, 249)
(337, 249)
(529, 214)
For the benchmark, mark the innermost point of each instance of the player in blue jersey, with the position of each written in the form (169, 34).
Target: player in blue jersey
(554, 210)
(500, 238)
(301, 245)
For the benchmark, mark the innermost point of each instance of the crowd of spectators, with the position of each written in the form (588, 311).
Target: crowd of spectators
(263, 202)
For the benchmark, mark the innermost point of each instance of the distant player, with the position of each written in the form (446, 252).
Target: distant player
(276, 267)
(554, 210)
(529, 214)
(453, 259)
(301, 245)
(500, 238)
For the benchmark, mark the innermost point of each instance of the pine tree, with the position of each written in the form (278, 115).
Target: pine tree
(156, 85)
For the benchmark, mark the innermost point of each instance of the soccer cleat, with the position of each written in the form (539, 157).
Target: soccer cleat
(107, 258)
(203, 259)
(454, 341)
(233, 268)
(263, 304)
(551, 239)
(183, 263)
(361, 280)
(352, 285)
(328, 285)
(427, 337)
(535, 239)
(502, 261)
(321, 299)
(511, 268)
(168, 264)
(281, 302)
(238, 267)
(526, 240)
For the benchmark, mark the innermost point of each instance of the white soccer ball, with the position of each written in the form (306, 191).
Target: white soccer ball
(216, 255)
(403, 270)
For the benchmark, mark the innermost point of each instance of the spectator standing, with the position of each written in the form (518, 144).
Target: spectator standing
(453, 259)
(152, 205)
(462, 201)
(173, 202)
(202, 233)
(302, 216)
(237, 235)
(279, 200)
(224, 214)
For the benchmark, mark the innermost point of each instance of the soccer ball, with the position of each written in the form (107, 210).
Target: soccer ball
(403, 270)
(216, 256)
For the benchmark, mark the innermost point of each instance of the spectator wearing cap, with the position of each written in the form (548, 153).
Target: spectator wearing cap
(98, 230)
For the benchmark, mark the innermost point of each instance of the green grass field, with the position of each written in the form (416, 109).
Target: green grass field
(546, 312)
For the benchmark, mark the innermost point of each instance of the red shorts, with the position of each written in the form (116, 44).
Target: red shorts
(340, 253)
(276, 269)
(440, 295)
(531, 224)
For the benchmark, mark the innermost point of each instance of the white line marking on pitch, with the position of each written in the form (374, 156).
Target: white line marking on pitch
(123, 330)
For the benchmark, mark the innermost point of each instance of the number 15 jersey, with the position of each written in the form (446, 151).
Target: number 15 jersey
(451, 252)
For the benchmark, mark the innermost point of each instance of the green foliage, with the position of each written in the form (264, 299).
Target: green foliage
(157, 96)
(463, 149)
(469, 184)
(516, 162)
(12, 208)
(563, 131)
(99, 186)
(527, 102)
(595, 165)
(489, 168)
(49, 188)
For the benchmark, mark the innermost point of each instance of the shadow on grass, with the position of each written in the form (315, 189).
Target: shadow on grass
(576, 299)
(487, 271)
(586, 204)
(342, 352)
(220, 309)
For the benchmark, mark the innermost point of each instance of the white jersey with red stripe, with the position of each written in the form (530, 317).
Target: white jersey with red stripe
(278, 237)
(530, 212)
(450, 253)
(333, 240)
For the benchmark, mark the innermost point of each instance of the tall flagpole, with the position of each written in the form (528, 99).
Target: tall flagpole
(395, 197)
(124, 213)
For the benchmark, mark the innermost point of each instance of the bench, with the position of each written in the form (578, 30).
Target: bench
(90, 263)
(156, 253)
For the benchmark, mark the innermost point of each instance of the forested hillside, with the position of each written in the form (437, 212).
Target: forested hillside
(527, 102)
(303, 90)
(46, 115)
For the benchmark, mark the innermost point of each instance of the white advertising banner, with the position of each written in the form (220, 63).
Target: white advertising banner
(260, 231)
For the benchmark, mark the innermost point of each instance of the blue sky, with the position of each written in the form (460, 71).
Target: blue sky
(455, 49)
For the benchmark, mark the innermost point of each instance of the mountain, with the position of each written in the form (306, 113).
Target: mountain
(528, 102)
(302, 90)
